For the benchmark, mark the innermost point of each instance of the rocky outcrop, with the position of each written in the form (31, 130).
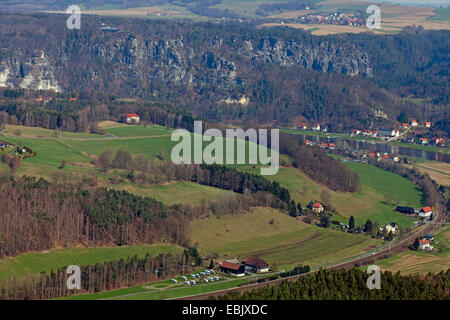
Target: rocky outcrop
(34, 72)
(140, 61)
(325, 56)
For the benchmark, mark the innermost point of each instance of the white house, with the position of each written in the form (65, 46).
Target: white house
(425, 212)
(425, 245)
(391, 227)
(316, 127)
(132, 118)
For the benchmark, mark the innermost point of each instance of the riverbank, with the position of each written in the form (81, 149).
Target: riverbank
(345, 136)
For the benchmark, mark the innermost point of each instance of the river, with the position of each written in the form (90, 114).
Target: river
(382, 147)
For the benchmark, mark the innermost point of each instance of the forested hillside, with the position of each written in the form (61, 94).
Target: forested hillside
(37, 215)
(351, 285)
(234, 72)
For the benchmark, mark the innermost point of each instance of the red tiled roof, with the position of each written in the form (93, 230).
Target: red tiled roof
(229, 265)
(256, 262)
(427, 209)
(424, 242)
(129, 115)
(317, 205)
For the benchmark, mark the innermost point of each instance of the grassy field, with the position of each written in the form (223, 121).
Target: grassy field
(35, 262)
(138, 131)
(144, 293)
(37, 132)
(380, 193)
(422, 262)
(438, 171)
(175, 192)
(442, 14)
(285, 241)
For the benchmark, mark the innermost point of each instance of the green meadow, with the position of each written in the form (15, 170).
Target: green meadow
(175, 192)
(36, 262)
(276, 237)
(381, 191)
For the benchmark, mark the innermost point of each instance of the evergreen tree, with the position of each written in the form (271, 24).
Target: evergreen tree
(368, 227)
(351, 223)
(293, 209)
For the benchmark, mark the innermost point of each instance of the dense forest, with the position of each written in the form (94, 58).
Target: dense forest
(37, 215)
(207, 68)
(319, 166)
(351, 285)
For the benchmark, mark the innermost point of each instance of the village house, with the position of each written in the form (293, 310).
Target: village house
(391, 227)
(316, 127)
(438, 141)
(425, 212)
(423, 140)
(389, 133)
(414, 123)
(404, 125)
(428, 124)
(235, 269)
(425, 245)
(256, 265)
(317, 207)
(308, 142)
(132, 118)
(303, 126)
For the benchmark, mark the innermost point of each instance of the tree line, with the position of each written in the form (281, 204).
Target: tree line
(319, 166)
(103, 276)
(352, 285)
(37, 215)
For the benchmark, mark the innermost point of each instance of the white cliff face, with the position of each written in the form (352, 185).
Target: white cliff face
(34, 73)
(38, 74)
(4, 74)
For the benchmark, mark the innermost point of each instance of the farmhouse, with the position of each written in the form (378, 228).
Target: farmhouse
(256, 265)
(316, 127)
(391, 227)
(234, 269)
(425, 212)
(132, 118)
(425, 245)
(317, 207)
(428, 124)
(414, 123)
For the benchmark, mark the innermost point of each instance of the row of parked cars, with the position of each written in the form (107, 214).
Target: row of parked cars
(206, 280)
